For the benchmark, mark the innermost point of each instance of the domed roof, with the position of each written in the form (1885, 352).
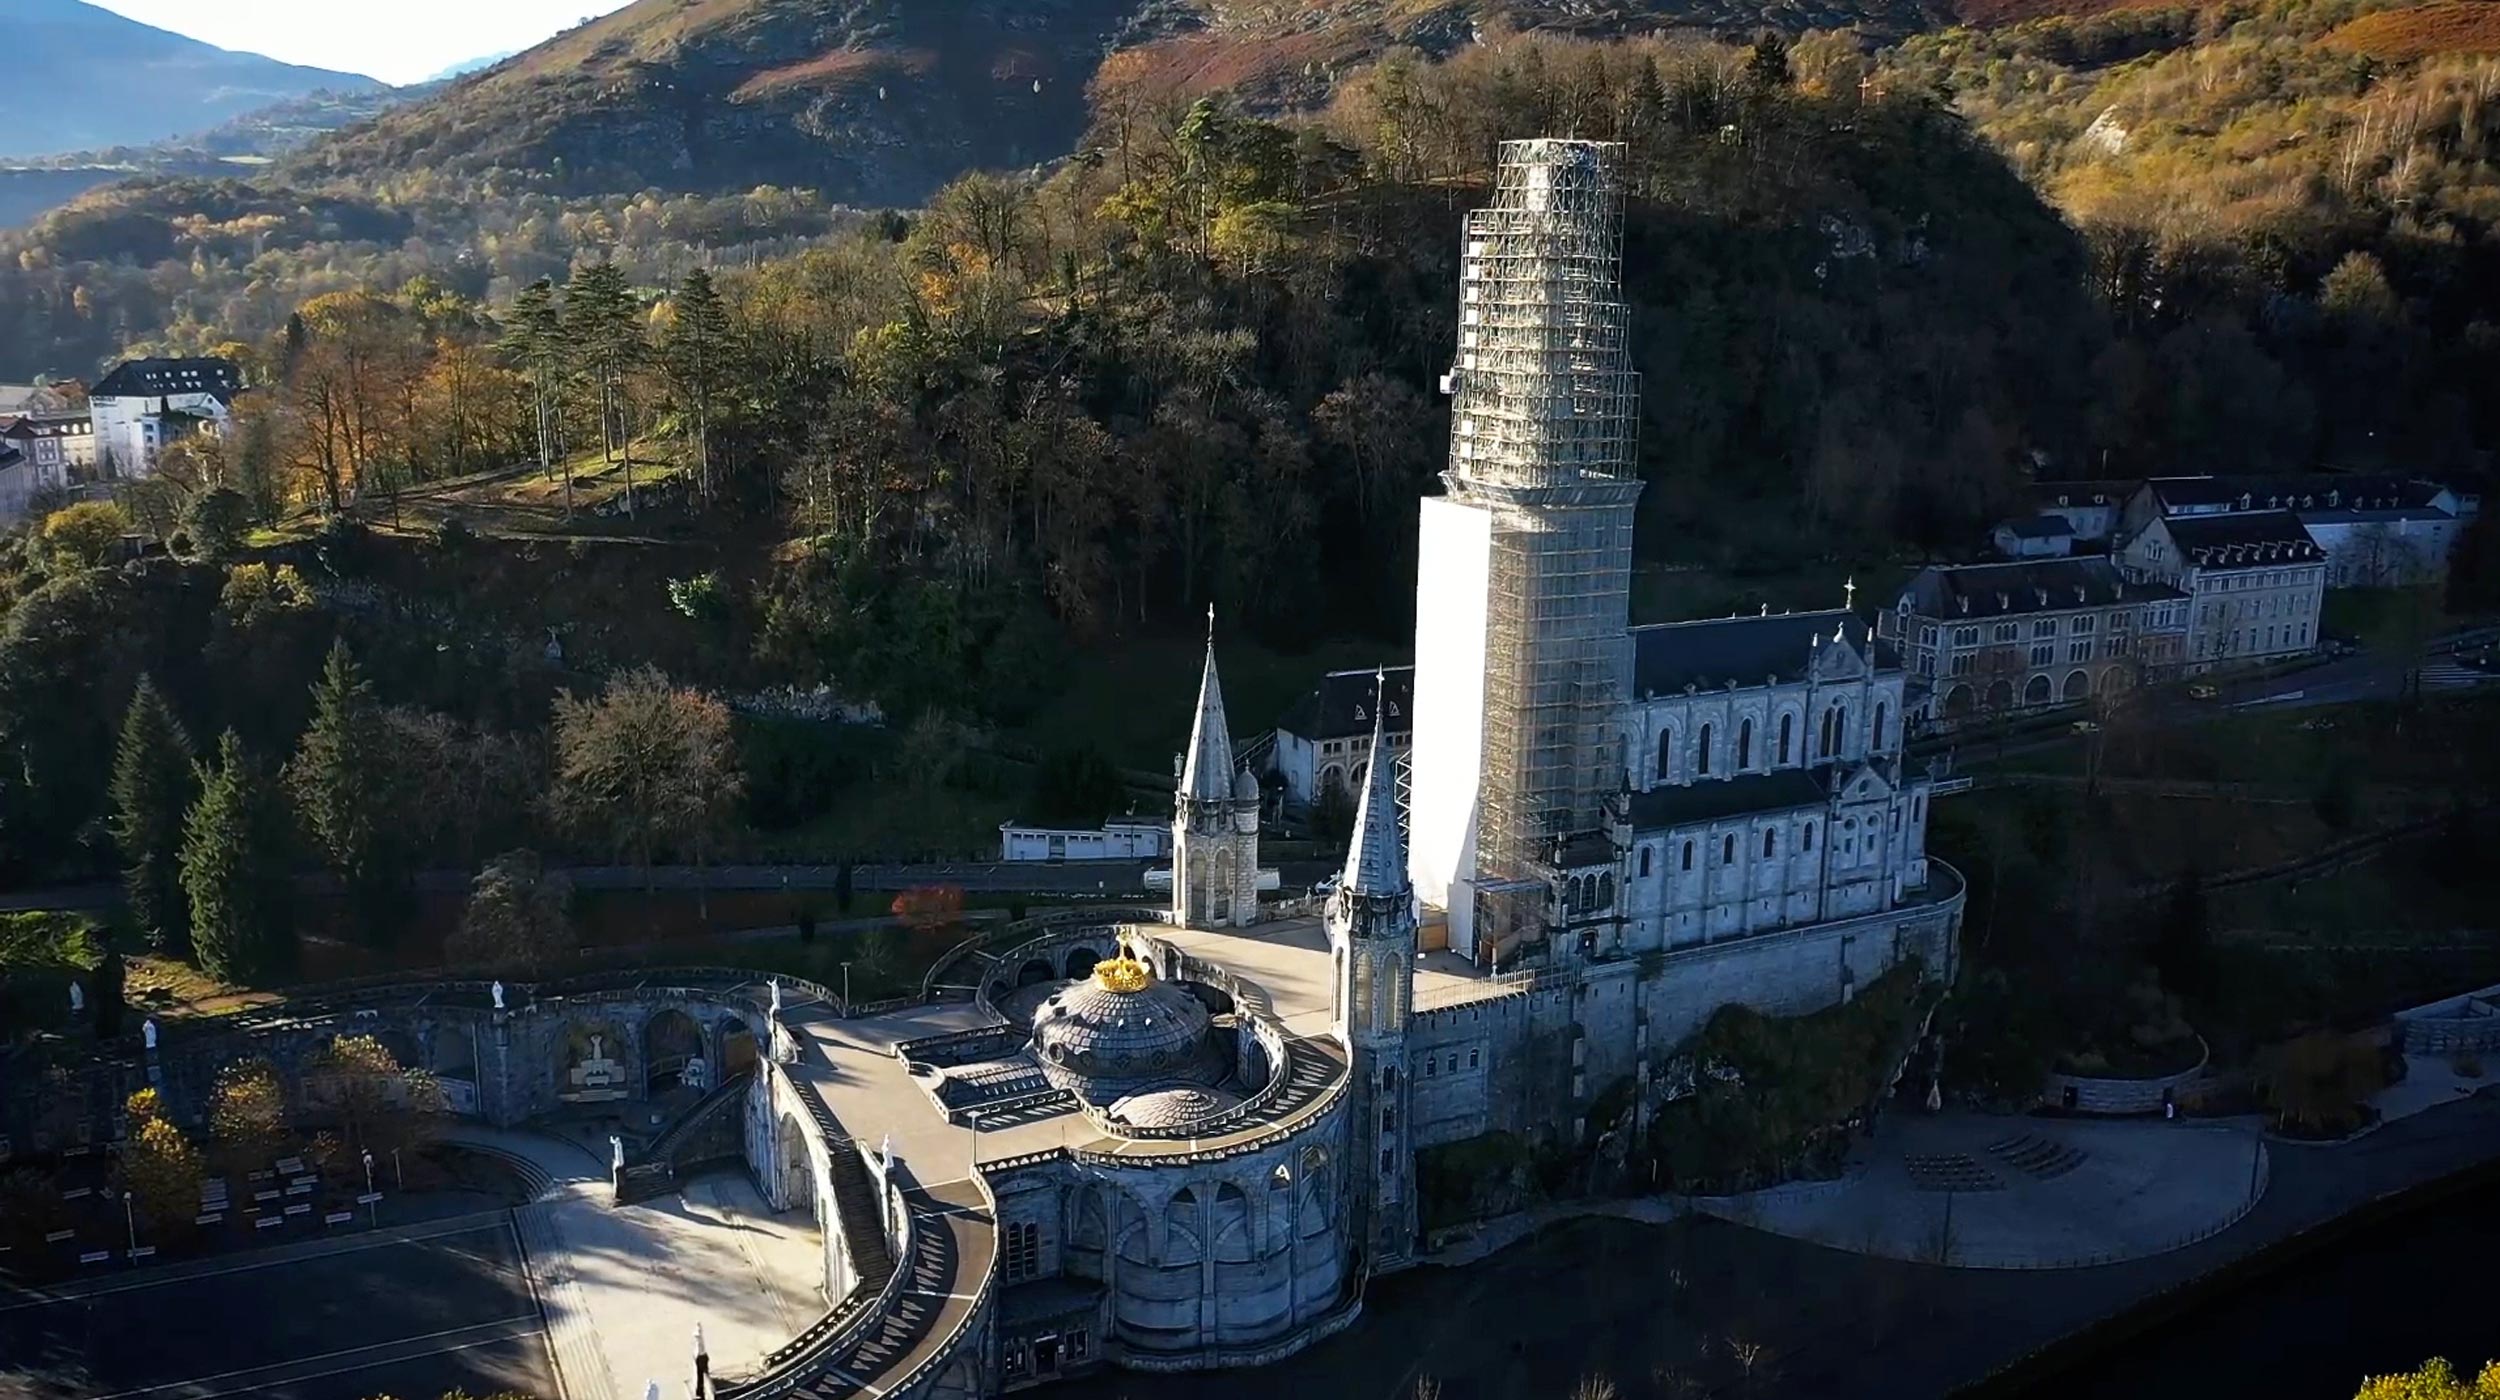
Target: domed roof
(1122, 1031)
(1245, 787)
(1172, 1108)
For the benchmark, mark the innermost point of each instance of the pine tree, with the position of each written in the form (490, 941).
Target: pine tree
(152, 786)
(342, 778)
(602, 333)
(234, 870)
(696, 353)
(532, 340)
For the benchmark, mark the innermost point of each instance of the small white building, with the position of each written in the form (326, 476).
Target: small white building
(145, 404)
(2090, 509)
(2375, 531)
(2034, 537)
(2254, 583)
(1122, 838)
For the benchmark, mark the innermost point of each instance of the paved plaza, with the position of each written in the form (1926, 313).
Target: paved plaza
(1983, 1191)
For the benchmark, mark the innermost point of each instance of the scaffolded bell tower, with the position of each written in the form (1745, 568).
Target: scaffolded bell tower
(1523, 595)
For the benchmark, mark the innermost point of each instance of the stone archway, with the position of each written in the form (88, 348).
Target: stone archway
(798, 1177)
(1081, 962)
(2078, 685)
(1034, 973)
(671, 1040)
(2036, 691)
(1958, 702)
(739, 1049)
(2001, 696)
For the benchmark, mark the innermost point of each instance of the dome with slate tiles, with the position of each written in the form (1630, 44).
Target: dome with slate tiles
(1172, 1108)
(1123, 1031)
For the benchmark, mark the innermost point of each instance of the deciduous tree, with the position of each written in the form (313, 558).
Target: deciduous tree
(648, 765)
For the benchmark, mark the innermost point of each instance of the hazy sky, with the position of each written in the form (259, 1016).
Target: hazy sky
(393, 40)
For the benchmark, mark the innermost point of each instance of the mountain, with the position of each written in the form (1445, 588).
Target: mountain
(880, 101)
(88, 79)
(467, 66)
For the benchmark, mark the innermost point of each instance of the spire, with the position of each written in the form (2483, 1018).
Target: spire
(1208, 774)
(1376, 863)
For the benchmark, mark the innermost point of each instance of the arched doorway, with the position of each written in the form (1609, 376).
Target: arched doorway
(2001, 696)
(1957, 701)
(2036, 691)
(1034, 973)
(798, 1181)
(670, 1040)
(2078, 685)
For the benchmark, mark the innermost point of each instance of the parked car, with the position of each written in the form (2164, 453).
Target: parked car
(2085, 726)
(2202, 690)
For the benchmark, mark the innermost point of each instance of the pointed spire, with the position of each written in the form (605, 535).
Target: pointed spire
(1207, 775)
(1376, 863)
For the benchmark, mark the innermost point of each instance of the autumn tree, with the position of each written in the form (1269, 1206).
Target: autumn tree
(519, 913)
(381, 1103)
(2435, 1379)
(247, 1112)
(647, 765)
(160, 1169)
(152, 788)
(234, 870)
(84, 535)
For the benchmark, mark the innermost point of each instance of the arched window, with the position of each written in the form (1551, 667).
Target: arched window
(1701, 753)
(1644, 862)
(1788, 725)
(1807, 844)
(1823, 736)
(1877, 739)
(1770, 843)
(1666, 753)
(1688, 855)
(1606, 890)
(1744, 745)
(1727, 850)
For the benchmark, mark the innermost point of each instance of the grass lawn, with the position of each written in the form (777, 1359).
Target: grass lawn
(510, 501)
(2384, 619)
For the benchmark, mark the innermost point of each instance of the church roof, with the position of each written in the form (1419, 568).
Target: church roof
(1342, 705)
(2299, 491)
(1780, 791)
(155, 378)
(1376, 861)
(1668, 656)
(1207, 774)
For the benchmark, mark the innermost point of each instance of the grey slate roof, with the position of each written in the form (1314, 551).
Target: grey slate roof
(2039, 527)
(1342, 705)
(2299, 491)
(155, 378)
(1949, 592)
(2049, 495)
(1208, 773)
(1781, 791)
(2243, 540)
(1747, 650)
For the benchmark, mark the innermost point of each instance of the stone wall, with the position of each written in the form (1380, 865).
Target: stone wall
(2467, 1023)
(2116, 1097)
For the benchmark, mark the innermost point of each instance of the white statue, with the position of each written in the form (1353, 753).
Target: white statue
(695, 1073)
(774, 983)
(887, 1151)
(699, 1350)
(77, 998)
(616, 1151)
(498, 993)
(147, 1031)
(596, 1041)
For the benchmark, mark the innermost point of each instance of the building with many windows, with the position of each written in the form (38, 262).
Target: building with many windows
(1994, 639)
(1325, 740)
(2254, 582)
(2374, 531)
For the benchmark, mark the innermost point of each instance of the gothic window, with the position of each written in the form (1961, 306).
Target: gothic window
(1606, 891)
(1808, 843)
(1024, 1251)
(1644, 862)
(1688, 855)
(1744, 746)
(1701, 753)
(1389, 1078)
(1787, 724)
(1471, 1058)
(1727, 850)
(1770, 843)
(1878, 738)
(1429, 1063)
(1666, 752)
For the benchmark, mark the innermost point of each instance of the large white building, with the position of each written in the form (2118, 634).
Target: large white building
(145, 404)
(2374, 531)
(2254, 583)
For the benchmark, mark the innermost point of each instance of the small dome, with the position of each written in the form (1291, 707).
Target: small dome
(1245, 787)
(1172, 1108)
(1122, 1032)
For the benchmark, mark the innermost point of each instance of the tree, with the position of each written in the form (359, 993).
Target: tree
(152, 789)
(532, 340)
(347, 790)
(1766, 65)
(247, 1112)
(216, 520)
(518, 914)
(380, 1102)
(84, 535)
(648, 765)
(2434, 1380)
(161, 1170)
(695, 354)
(603, 337)
(111, 980)
(234, 870)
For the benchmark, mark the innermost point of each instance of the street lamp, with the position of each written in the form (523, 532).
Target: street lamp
(373, 1207)
(846, 989)
(702, 1364)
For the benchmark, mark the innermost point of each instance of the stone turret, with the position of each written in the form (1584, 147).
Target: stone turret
(1371, 935)
(1215, 819)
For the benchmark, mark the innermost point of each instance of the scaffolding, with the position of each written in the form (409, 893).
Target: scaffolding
(1545, 424)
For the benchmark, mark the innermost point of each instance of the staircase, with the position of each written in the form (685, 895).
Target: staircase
(680, 1149)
